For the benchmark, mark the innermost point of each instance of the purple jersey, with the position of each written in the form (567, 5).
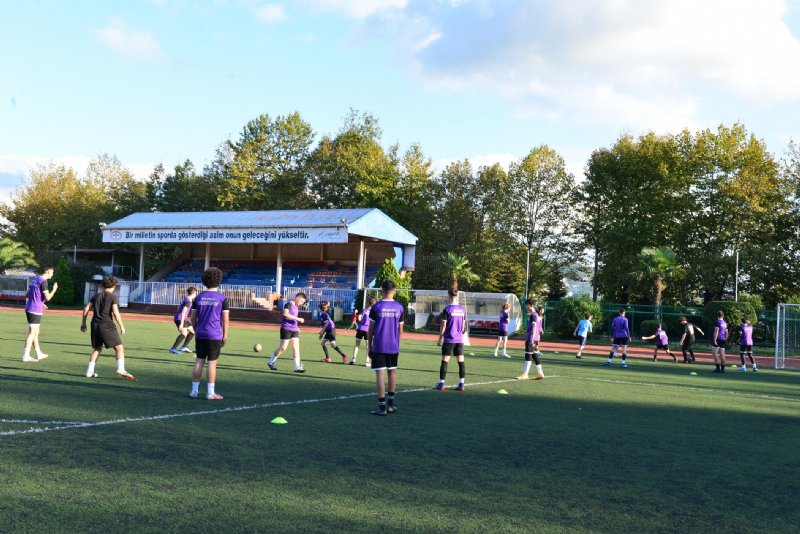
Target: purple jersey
(661, 337)
(722, 327)
(387, 316)
(619, 327)
(34, 299)
(533, 327)
(185, 303)
(209, 306)
(363, 325)
(326, 321)
(455, 315)
(746, 334)
(503, 323)
(290, 324)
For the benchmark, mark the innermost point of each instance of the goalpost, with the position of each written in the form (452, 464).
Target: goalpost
(423, 307)
(787, 337)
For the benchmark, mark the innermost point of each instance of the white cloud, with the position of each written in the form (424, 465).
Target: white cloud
(270, 13)
(129, 42)
(359, 9)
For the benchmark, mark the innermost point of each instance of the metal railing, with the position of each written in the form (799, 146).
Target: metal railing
(343, 299)
(244, 297)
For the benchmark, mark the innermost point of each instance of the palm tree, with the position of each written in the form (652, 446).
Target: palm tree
(459, 270)
(657, 265)
(14, 254)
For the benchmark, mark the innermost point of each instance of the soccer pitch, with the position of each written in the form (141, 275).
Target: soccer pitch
(589, 449)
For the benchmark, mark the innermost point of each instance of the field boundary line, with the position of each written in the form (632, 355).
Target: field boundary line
(231, 409)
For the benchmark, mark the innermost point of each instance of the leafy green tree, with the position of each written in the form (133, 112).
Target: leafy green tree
(655, 267)
(66, 285)
(15, 255)
(571, 310)
(459, 270)
(181, 190)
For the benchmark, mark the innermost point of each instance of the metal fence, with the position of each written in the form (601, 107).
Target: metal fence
(340, 299)
(242, 297)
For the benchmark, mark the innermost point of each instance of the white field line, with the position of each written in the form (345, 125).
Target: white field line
(32, 422)
(70, 425)
(244, 408)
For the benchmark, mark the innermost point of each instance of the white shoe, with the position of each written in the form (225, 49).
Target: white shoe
(495, 355)
(29, 359)
(41, 356)
(93, 375)
(186, 349)
(506, 356)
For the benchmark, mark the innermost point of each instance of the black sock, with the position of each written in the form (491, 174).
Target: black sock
(752, 361)
(325, 348)
(178, 342)
(382, 403)
(741, 357)
(462, 369)
(717, 366)
(337, 349)
(390, 398)
(189, 338)
(722, 367)
(443, 370)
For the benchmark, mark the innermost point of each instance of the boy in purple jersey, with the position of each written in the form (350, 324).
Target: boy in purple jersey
(746, 344)
(532, 336)
(327, 332)
(384, 346)
(210, 321)
(105, 310)
(362, 331)
(184, 324)
(290, 333)
(719, 339)
(38, 294)
(620, 336)
(502, 331)
(451, 339)
(662, 342)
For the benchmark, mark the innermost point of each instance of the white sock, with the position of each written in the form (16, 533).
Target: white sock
(539, 369)
(495, 354)
(195, 387)
(121, 365)
(211, 389)
(90, 369)
(26, 352)
(461, 381)
(527, 367)
(273, 359)
(39, 351)
(297, 364)
(441, 381)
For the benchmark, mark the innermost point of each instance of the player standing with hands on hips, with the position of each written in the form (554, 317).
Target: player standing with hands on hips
(454, 325)
(384, 346)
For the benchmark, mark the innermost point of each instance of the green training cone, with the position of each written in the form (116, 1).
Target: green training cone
(693, 373)
(502, 392)
(279, 421)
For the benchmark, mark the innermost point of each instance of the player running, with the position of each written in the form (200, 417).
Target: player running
(620, 336)
(184, 323)
(662, 342)
(38, 294)
(532, 336)
(362, 332)
(105, 310)
(720, 338)
(384, 346)
(687, 339)
(451, 339)
(746, 344)
(582, 331)
(502, 331)
(327, 332)
(290, 333)
(210, 319)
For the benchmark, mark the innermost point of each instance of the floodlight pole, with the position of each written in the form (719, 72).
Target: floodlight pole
(527, 270)
(736, 280)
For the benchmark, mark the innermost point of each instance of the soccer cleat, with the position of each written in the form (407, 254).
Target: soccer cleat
(538, 376)
(353, 361)
(523, 376)
(300, 370)
(716, 371)
(29, 359)
(272, 366)
(624, 365)
(439, 386)
(192, 394)
(391, 409)
(345, 358)
(743, 369)
(459, 387)
(607, 364)
(674, 358)
(215, 396)
(655, 359)
(382, 413)
(578, 357)
(93, 375)
(755, 369)
(41, 356)
(187, 349)
(495, 355)
(174, 351)
(126, 375)
(326, 360)
(506, 356)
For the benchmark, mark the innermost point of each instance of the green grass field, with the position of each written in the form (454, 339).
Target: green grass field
(588, 449)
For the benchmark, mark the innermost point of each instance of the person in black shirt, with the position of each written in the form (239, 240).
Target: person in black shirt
(105, 310)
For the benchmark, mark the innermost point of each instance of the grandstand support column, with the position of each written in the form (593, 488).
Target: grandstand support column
(361, 266)
(279, 272)
(207, 262)
(141, 264)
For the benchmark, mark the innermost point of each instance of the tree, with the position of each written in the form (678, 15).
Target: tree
(655, 267)
(182, 190)
(459, 270)
(66, 285)
(15, 255)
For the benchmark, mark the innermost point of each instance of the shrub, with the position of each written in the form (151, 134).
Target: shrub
(755, 300)
(734, 311)
(648, 327)
(572, 310)
(65, 294)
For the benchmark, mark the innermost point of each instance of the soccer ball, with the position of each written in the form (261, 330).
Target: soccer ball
(257, 347)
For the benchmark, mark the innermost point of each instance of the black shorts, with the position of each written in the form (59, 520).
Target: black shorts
(745, 348)
(662, 347)
(362, 334)
(531, 346)
(621, 341)
(104, 334)
(208, 349)
(289, 334)
(330, 335)
(33, 318)
(383, 361)
(719, 343)
(581, 340)
(450, 349)
(186, 323)
(502, 333)
(688, 341)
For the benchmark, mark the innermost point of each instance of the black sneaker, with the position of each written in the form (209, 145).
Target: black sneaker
(352, 362)
(391, 409)
(716, 371)
(272, 366)
(382, 413)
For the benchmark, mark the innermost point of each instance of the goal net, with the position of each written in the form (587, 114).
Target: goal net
(787, 337)
(423, 307)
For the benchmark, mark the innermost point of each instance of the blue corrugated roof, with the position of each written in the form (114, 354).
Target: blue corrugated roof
(365, 222)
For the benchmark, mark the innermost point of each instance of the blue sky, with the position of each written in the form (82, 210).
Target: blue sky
(160, 81)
